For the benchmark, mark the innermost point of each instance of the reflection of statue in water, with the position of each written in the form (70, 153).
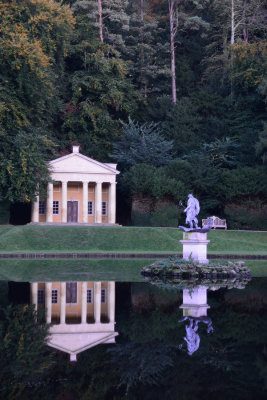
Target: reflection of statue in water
(192, 338)
(192, 210)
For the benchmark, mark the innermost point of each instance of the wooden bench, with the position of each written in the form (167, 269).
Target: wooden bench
(216, 222)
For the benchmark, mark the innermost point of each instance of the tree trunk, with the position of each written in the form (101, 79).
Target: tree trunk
(142, 45)
(231, 47)
(245, 30)
(232, 23)
(172, 42)
(100, 20)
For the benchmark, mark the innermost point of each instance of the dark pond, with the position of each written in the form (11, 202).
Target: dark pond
(115, 341)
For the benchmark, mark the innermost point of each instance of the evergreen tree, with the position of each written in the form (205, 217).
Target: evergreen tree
(142, 144)
(109, 16)
(147, 50)
(99, 93)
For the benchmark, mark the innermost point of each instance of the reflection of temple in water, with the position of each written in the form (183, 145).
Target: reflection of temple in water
(82, 313)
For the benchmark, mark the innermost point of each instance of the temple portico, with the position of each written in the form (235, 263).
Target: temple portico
(83, 191)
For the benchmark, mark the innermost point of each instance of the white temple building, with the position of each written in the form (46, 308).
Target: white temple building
(83, 191)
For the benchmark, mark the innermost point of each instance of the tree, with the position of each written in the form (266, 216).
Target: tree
(180, 122)
(142, 144)
(33, 44)
(178, 15)
(147, 50)
(261, 145)
(99, 92)
(173, 15)
(24, 170)
(235, 24)
(109, 16)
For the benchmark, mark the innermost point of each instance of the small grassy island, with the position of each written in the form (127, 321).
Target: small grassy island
(175, 273)
(175, 267)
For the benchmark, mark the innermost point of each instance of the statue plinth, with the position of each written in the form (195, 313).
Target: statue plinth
(195, 246)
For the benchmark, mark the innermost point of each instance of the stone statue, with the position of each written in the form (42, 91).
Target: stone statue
(192, 210)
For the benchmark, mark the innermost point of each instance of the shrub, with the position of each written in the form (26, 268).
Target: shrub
(166, 216)
(246, 216)
(4, 212)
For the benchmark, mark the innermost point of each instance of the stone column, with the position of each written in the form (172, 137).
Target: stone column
(48, 302)
(98, 203)
(64, 201)
(34, 294)
(63, 302)
(85, 202)
(111, 301)
(84, 302)
(49, 203)
(97, 301)
(35, 210)
(112, 203)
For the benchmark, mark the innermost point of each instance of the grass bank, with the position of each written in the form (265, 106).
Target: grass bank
(127, 270)
(47, 239)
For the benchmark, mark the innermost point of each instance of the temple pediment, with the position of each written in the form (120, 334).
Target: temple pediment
(76, 162)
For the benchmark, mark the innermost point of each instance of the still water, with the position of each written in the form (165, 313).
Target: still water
(112, 340)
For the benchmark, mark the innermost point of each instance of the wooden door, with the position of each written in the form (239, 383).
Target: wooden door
(72, 211)
(71, 292)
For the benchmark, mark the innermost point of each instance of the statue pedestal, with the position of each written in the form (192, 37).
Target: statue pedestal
(195, 246)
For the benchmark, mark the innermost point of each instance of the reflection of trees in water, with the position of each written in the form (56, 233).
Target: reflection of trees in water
(25, 360)
(231, 363)
(142, 362)
(252, 300)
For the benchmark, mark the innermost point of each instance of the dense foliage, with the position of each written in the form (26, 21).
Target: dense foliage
(99, 72)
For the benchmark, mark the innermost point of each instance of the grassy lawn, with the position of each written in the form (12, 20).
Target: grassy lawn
(127, 270)
(44, 239)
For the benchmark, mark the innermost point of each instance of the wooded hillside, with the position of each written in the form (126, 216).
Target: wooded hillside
(175, 91)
